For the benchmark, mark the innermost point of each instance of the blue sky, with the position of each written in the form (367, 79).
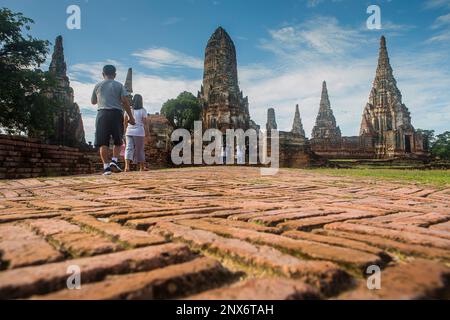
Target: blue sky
(285, 50)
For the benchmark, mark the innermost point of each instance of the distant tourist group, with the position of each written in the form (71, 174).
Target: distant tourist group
(112, 99)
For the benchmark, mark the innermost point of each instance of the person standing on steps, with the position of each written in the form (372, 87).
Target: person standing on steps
(112, 99)
(135, 135)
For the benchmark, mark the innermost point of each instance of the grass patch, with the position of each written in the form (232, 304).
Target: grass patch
(439, 178)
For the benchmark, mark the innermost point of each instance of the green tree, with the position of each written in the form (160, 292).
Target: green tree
(24, 108)
(441, 147)
(182, 111)
(428, 138)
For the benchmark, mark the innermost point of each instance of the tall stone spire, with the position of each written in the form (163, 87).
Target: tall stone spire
(223, 103)
(385, 100)
(220, 63)
(297, 127)
(385, 117)
(325, 127)
(271, 120)
(129, 81)
(58, 66)
(69, 130)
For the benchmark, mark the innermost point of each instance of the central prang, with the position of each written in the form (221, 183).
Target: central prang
(223, 103)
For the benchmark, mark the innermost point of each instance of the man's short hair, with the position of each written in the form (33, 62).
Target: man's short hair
(109, 70)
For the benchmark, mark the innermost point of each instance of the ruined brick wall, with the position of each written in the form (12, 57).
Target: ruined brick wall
(158, 145)
(295, 151)
(27, 158)
(344, 148)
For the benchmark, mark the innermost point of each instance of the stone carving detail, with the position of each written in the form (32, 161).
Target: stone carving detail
(69, 130)
(325, 127)
(223, 104)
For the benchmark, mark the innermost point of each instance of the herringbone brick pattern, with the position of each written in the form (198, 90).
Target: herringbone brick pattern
(222, 233)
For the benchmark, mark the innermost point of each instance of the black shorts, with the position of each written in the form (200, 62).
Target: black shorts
(109, 124)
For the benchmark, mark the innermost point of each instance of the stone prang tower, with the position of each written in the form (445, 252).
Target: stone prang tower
(69, 130)
(223, 104)
(326, 127)
(385, 118)
(297, 127)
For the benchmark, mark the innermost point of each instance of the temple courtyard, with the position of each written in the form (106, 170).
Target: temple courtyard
(224, 233)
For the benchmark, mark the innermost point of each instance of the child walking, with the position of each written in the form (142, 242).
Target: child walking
(135, 135)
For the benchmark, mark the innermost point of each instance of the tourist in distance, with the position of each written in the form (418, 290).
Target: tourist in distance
(112, 99)
(135, 135)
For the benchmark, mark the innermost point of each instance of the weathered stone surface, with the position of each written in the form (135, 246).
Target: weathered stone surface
(167, 283)
(262, 289)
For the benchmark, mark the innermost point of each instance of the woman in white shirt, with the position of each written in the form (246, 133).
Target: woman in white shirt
(135, 135)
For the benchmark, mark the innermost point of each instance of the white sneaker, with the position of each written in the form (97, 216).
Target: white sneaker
(107, 171)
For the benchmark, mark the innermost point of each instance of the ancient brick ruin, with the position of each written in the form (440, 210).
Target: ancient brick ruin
(326, 127)
(386, 119)
(69, 130)
(386, 129)
(223, 103)
(22, 157)
(225, 107)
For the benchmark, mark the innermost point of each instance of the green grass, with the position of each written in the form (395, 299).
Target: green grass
(439, 178)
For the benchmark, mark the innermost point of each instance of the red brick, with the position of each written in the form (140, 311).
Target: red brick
(311, 249)
(419, 279)
(72, 239)
(130, 237)
(167, 283)
(24, 282)
(21, 247)
(262, 289)
(402, 236)
(324, 275)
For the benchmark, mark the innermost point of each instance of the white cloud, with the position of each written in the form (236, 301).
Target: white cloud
(433, 4)
(315, 3)
(321, 34)
(156, 58)
(171, 21)
(442, 23)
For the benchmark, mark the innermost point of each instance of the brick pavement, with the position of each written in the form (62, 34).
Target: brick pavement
(223, 233)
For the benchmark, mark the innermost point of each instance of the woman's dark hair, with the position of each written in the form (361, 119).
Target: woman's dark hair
(137, 102)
